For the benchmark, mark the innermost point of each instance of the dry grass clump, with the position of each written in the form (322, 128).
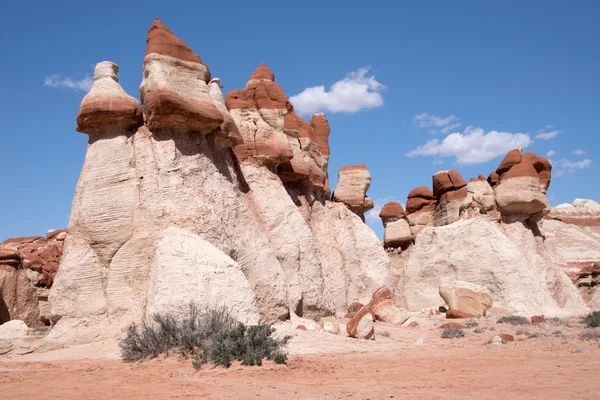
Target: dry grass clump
(513, 320)
(213, 336)
(452, 333)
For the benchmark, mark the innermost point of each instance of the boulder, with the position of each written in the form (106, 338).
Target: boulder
(354, 307)
(537, 319)
(452, 325)
(18, 298)
(383, 293)
(520, 188)
(466, 297)
(188, 267)
(362, 326)
(15, 329)
(445, 181)
(385, 310)
(353, 184)
(397, 234)
(457, 314)
(330, 324)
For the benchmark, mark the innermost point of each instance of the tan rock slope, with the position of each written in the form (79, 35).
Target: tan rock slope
(221, 202)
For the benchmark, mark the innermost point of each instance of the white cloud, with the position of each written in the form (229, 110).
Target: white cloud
(550, 153)
(565, 166)
(372, 216)
(547, 135)
(56, 81)
(474, 146)
(354, 93)
(440, 125)
(579, 152)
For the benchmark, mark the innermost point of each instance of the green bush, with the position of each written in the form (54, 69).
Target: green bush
(248, 344)
(592, 320)
(513, 320)
(451, 333)
(213, 336)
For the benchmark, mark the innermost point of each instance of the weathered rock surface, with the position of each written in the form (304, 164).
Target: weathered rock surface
(521, 184)
(480, 252)
(397, 231)
(258, 111)
(353, 183)
(28, 266)
(581, 212)
(165, 212)
(362, 326)
(188, 267)
(175, 91)
(15, 329)
(466, 297)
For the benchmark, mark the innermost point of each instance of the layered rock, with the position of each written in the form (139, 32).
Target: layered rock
(466, 297)
(449, 189)
(520, 184)
(419, 208)
(29, 265)
(353, 183)
(397, 231)
(175, 91)
(501, 258)
(165, 212)
(572, 241)
(258, 111)
(581, 212)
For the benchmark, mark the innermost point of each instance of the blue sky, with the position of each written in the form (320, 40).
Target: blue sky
(451, 83)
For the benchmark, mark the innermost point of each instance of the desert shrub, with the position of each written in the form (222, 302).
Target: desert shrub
(558, 321)
(471, 323)
(523, 332)
(536, 335)
(162, 334)
(590, 334)
(557, 333)
(479, 330)
(592, 320)
(384, 334)
(513, 320)
(451, 333)
(248, 344)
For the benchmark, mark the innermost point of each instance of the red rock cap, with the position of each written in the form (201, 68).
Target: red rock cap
(162, 41)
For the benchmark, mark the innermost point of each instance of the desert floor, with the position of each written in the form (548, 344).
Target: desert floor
(554, 363)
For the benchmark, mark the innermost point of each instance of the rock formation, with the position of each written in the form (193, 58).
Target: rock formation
(28, 266)
(220, 202)
(397, 232)
(419, 208)
(486, 233)
(353, 183)
(520, 184)
(572, 241)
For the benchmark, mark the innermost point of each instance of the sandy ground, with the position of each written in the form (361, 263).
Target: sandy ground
(325, 366)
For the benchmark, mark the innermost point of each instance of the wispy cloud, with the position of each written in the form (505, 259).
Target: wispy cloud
(565, 166)
(542, 134)
(473, 146)
(579, 152)
(550, 153)
(57, 81)
(442, 125)
(354, 93)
